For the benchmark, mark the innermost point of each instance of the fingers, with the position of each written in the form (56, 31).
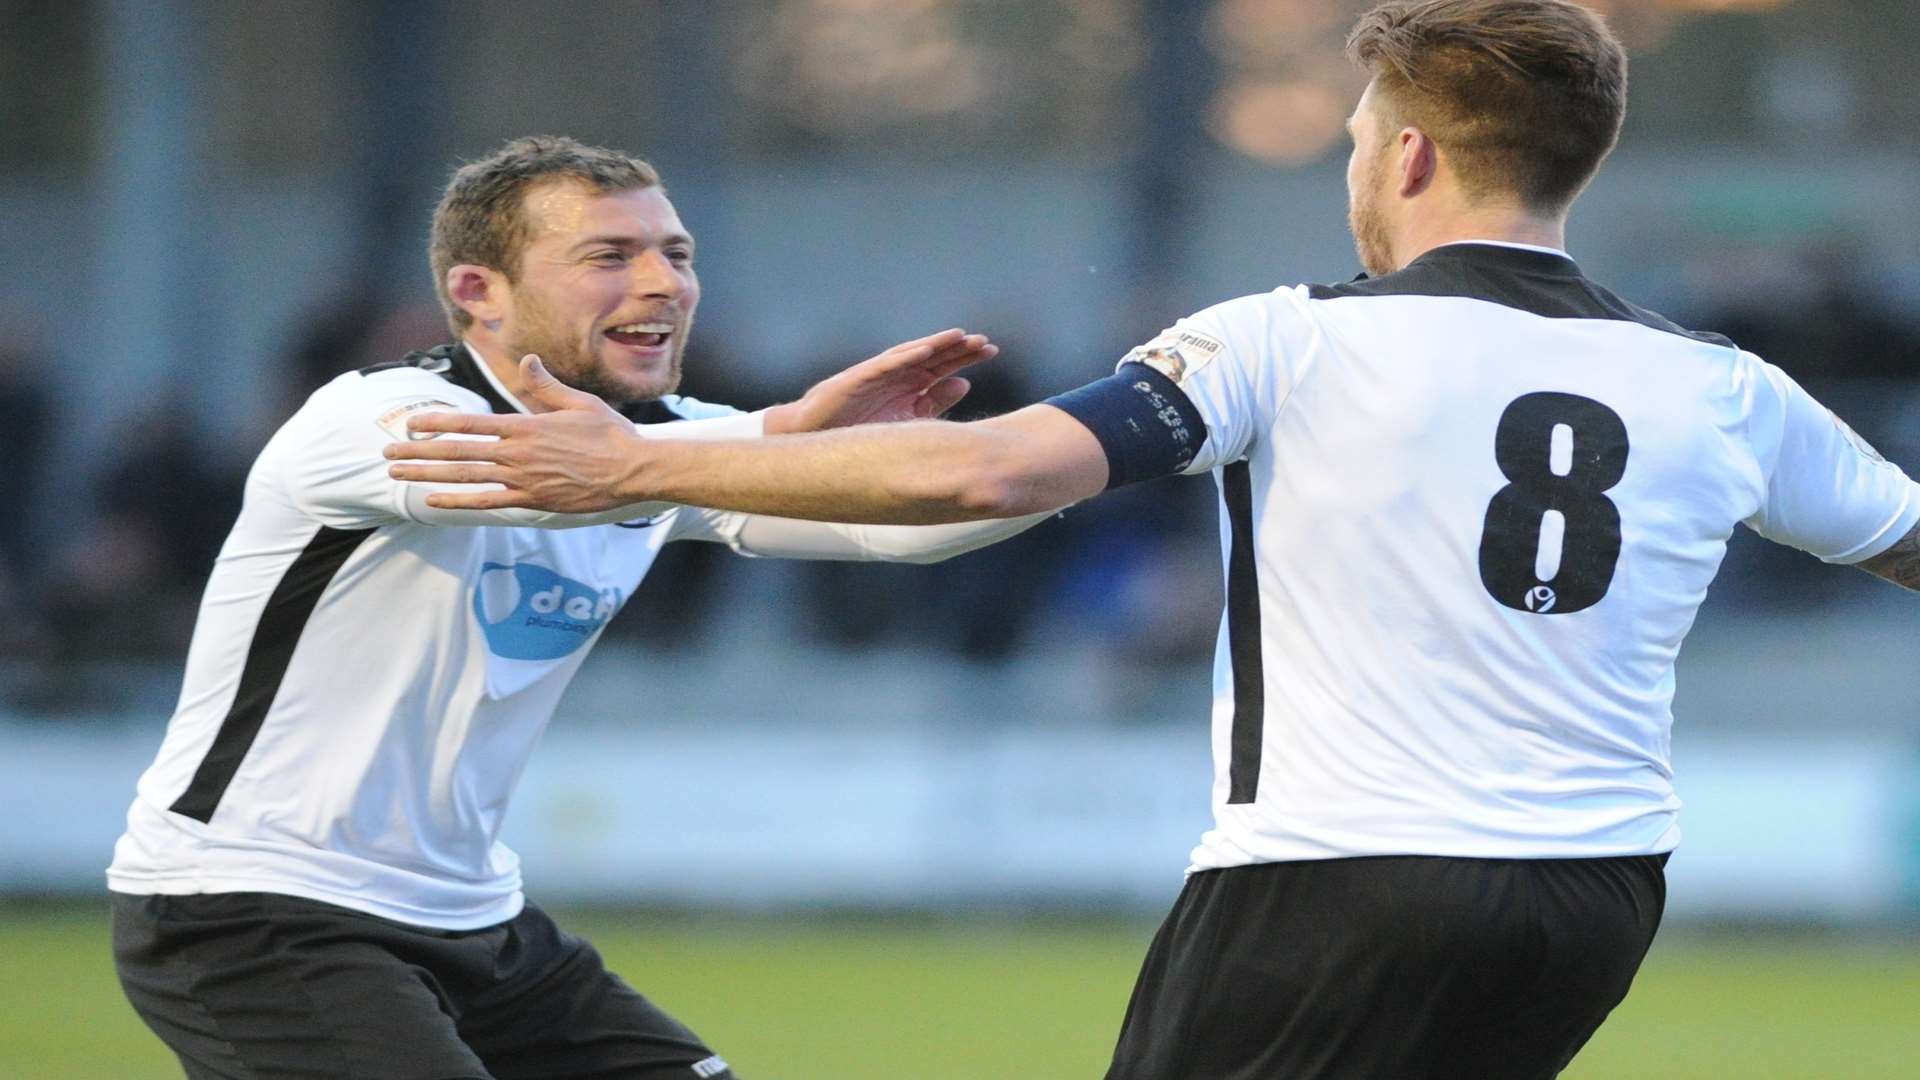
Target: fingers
(462, 424)
(478, 500)
(450, 473)
(952, 360)
(933, 342)
(932, 365)
(941, 396)
(914, 366)
(930, 351)
(539, 384)
(969, 343)
(448, 450)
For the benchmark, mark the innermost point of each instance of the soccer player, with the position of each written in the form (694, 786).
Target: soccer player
(310, 882)
(1471, 504)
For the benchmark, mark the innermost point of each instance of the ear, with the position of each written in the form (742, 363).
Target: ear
(1419, 162)
(481, 292)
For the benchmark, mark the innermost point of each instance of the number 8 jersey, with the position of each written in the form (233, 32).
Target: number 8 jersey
(1470, 510)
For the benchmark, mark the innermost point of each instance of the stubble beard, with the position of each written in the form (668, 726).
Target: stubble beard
(577, 363)
(1370, 236)
(1372, 240)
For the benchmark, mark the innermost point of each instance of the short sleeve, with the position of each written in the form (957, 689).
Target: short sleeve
(1828, 492)
(1237, 362)
(328, 458)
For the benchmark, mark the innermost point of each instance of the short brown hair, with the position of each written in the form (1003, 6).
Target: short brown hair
(1524, 96)
(481, 218)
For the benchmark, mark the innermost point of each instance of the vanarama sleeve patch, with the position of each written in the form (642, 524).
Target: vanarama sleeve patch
(1177, 353)
(394, 420)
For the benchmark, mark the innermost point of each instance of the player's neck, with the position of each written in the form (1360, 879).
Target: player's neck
(1507, 225)
(504, 369)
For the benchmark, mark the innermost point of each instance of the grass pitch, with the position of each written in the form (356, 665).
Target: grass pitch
(943, 1000)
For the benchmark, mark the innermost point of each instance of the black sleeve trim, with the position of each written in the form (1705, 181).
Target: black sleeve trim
(1147, 425)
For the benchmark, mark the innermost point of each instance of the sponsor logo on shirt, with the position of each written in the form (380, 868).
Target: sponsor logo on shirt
(709, 1067)
(394, 420)
(531, 613)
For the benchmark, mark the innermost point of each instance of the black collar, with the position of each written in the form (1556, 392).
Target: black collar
(457, 364)
(1503, 257)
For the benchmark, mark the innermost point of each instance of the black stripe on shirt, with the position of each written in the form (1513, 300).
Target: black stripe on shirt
(1243, 639)
(464, 371)
(1540, 282)
(456, 364)
(649, 412)
(271, 650)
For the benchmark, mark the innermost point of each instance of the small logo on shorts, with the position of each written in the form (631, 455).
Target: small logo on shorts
(709, 1067)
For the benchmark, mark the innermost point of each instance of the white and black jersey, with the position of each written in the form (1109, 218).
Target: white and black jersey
(368, 676)
(1469, 512)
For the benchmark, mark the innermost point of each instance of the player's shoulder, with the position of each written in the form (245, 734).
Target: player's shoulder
(1536, 281)
(385, 394)
(1255, 317)
(445, 369)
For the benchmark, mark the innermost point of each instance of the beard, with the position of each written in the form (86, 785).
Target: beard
(1372, 240)
(577, 362)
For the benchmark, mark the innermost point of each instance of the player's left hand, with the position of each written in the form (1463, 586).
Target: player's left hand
(911, 381)
(571, 457)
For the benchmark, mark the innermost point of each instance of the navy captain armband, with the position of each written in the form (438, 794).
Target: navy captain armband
(1147, 425)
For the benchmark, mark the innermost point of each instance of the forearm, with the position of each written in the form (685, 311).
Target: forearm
(918, 473)
(584, 458)
(414, 508)
(789, 538)
(1900, 563)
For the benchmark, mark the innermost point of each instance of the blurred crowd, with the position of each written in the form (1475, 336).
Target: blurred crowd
(1134, 573)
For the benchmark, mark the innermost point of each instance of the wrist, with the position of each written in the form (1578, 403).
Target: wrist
(638, 476)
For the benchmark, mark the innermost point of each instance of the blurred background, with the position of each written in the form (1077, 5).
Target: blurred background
(863, 787)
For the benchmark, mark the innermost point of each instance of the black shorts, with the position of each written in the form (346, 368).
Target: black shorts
(1397, 968)
(256, 985)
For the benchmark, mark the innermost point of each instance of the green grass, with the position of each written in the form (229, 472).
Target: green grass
(811, 1000)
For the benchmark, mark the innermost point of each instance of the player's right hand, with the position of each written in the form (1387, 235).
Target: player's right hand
(570, 456)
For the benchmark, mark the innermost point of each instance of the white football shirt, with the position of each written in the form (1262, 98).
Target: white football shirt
(368, 678)
(1469, 512)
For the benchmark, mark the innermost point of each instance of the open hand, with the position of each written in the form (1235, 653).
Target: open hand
(569, 458)
(913, 380)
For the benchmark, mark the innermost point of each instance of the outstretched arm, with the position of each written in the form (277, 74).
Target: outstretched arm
(581, 457)
(1900, 563)
(913, 380)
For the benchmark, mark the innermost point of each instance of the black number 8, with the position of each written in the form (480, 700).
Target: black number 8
(1590, 547)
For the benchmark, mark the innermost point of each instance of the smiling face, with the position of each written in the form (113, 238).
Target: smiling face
(604, 291)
